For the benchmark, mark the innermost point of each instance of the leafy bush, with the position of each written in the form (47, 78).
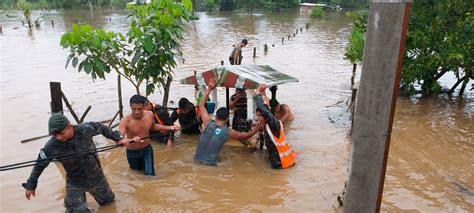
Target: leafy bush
(210, 5)
(317, 12)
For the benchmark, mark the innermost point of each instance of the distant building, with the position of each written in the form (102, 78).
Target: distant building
(140, 2)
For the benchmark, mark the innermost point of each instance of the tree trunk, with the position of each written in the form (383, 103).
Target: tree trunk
(466, 79)
(167, 91)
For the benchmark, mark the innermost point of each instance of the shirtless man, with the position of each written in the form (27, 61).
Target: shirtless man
(138, 125)
(283, 112)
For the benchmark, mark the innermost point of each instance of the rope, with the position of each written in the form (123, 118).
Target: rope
(65, 156)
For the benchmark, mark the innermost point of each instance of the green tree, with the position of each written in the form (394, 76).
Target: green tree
(355, 48)
(250, 5)
(317, 12)
(440, 40)
(147, 53)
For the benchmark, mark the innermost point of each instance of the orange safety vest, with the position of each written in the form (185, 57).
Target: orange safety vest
(160, 122)
(287, 157)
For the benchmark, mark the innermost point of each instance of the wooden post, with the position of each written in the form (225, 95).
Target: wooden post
(85, 113)
(110, 19)
(227, 94)
(92, 14)
(1, 30)
(288, 37)
(254, 52)
(282, 39)
(301, 29)
(354, 68)
(296, 30)
(76, 21)
(56, 100)
(294, 35)
(68, 105)
(52, 23)
(383, 59)
(119, 86)
(222, 63)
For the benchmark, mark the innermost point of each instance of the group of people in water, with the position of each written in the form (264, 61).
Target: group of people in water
(148, 122)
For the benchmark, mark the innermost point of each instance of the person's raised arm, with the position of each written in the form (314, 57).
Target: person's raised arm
(271, 120)
(234, 100)
(202, 108)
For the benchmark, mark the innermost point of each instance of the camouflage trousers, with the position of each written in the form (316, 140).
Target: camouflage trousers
(97, 186)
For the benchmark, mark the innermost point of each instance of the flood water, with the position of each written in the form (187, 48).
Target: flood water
(430, 163)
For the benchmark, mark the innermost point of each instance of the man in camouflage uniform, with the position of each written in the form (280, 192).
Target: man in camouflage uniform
(83, 170)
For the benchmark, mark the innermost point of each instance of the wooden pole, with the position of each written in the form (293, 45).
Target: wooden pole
(113, 119)
(354, 68)
(376, 102)
(56, 101)
(92, 14)
(1, 29)
(222, 63)
(227, 94)
(85, 113)
(254, 52)
(68, 105)
(52, 23)
(119, 86)
(282, 40)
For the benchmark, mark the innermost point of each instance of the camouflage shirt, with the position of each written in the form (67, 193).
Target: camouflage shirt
(80, 167)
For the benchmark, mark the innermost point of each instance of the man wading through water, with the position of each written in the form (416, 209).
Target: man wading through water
(138, 125)
(215, 133)
(235, 57)
(279, 151)
(83, 172)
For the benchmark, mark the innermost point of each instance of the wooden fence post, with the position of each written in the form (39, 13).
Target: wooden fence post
(56, 97)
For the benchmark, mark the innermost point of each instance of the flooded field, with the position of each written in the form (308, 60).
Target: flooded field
(430, 163)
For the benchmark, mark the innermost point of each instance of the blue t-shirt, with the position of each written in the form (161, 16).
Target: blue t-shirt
(211, 142)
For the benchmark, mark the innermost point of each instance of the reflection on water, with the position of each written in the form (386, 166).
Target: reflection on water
(429, 161)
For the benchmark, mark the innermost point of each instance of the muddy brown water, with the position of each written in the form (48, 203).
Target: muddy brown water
(430, 163)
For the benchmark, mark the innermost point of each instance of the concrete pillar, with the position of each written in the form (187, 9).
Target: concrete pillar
(376, 99)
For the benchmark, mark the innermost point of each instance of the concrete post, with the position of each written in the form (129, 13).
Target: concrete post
(376, 100)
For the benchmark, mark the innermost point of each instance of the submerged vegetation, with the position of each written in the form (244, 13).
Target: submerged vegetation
(439, 42)
(317, 12)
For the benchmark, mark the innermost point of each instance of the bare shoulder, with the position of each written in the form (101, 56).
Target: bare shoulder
(126, 119)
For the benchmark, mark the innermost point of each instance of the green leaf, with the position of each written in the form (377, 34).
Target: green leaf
(148, 44)
(88, 67)
(68, 60)
(150, 88)
(95, 41)
(74, 62)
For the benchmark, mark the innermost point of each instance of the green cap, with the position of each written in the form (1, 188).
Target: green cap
(57, 122)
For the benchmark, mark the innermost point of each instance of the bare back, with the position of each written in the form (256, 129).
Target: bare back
(137, 127)
(284, 114)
